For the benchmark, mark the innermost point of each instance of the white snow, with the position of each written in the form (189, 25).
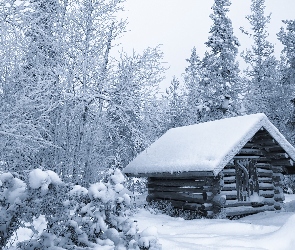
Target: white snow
(256, 198)
(37, 178)
(268, 231)
(15, 191)
(41, 179)
(117, 177)
(79, 190)
(203, 147)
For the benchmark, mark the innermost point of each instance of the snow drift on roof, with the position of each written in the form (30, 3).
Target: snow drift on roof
(206, 146)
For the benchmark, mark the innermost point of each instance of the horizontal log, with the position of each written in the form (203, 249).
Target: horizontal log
(229, 172)
(263, 174)
(266, 186)
(245, 210)
(185, 175)
(236, 203)
(196, 198)
(283, 162)
(265, 180)
(229, 179)
(264, 170)
(266, 193)
(269, 201)
(278, 155)
(263, 165)
(246, 157)
(230, 195)
(250, 151)
(185, 189)
(276, 149)
(251, 145)
(279, 197)
(263, 159)
(277, 169)
(278, 205)
(176, 183)
(229, 187)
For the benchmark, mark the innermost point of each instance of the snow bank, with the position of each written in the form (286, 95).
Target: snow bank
(283, 238)
(14, 189)
(265, 231)
(256, 198)
(41, 179)
(203, 147)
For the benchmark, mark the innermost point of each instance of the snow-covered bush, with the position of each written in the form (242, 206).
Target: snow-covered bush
(77, 217)
(289, 184)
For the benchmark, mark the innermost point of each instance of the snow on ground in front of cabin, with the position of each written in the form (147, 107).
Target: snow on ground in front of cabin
(268, 230)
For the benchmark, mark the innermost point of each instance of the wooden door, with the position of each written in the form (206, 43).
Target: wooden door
(246, 179)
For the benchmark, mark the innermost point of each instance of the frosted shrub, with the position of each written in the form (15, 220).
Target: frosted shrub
(77, 217)
(12, 194)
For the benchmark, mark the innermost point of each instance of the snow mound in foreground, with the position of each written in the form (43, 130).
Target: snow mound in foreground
(284, 237)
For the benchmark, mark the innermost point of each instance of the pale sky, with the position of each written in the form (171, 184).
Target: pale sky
(179, 25)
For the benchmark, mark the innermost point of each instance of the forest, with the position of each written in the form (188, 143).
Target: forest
(72, 115)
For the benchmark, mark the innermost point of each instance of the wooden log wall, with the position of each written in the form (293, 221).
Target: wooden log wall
(271, 161)
(190, 193)
(202, 192)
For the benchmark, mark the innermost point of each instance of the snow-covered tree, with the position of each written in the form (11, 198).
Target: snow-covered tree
(287, 38)
(23, 108)
(218, 77)
(266, 94)
(192, 79)
(175, 104)
(221, 70)
(135, 88)
(260, 59)
(287, 75)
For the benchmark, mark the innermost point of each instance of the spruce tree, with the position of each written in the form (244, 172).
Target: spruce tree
(220, 70)
(175, 104)
(266, 93)
(261, 60)
(287, 76)
(192, 79)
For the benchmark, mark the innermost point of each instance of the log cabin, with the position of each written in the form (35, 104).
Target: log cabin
(235, 165)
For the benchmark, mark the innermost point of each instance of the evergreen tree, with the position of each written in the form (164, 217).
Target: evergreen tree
(287, 76)
(261, 60)
(220, 73)
(266, 94)
(287, 38)
(175, 103)
(192, 79)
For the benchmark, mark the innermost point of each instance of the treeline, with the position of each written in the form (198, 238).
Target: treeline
(65, 104)
(68, 106)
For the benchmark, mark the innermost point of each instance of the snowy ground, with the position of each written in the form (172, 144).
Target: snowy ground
(268, 230)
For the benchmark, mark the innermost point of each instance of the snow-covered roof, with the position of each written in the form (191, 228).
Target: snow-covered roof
(206, 146)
